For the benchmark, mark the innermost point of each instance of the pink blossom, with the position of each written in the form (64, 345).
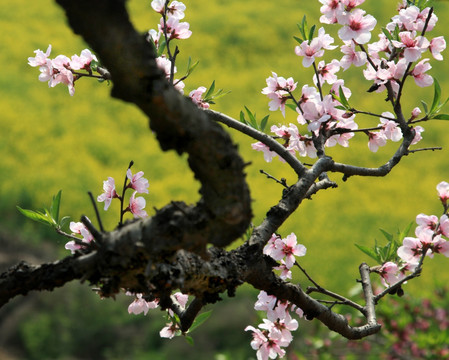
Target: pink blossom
(376, 140)
(61, 73)
(443, 192)
(181, 299)
(325, 40)
(288, 248)
(329, 10)
(83, 61)
(165, 64)
(390, 273)
(268, 155)
(425, 222)
(265, 302)
(440, 246)
(413, 45)
(326, 72)
(418, 136)
(109, 192)
(422, 79)
(382, 45)
(437, 45)
(351, 57)
(390, 128)
(140, 305)
(196, 96)
(278, 90)
(154, 36)
(444, 225)
(169, 331)
(269, 247)
(41, 58)
(81, 229)
(176, 9)
(356, 27)
(411, 18)
(266, 347)
(280, 329)
(158, 6)
(285, 272)
(415, 113)
(411, 250)
(309, 51)
(136, 206)
(137, 181)
(175, 29)
(342, 139)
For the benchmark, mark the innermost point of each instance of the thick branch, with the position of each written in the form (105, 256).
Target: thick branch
(178, 123)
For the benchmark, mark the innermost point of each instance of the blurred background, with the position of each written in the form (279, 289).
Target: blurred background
(51, 141)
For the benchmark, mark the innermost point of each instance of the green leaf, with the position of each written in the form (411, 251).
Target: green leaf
(36, 216)
(189, 340)
(441, 117)
(424, 105)
(402, 234)
(368, 251)
(263, 123)
(343, 99)
(388, 236)
(243, 120)
(387, 34)
(305, 28)
(291, 106)
(436, 96)
(64, 221)
(298, 39)
(210, 91)
(311, 32)
(200, 319)
(54, 208)
(162, 45)
(252, 118)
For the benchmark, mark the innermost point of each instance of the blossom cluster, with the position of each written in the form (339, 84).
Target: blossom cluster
(61, 69)
(140, 305)
(388, 61)
(136, 204)
(431, 238)
(274, 333)
(78, 228)
(170, 28)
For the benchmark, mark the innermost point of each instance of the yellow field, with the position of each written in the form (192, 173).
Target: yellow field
(51, 141)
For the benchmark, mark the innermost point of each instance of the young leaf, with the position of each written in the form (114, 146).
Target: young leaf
(368, 251)
(441, 117)
(263, 123)
(54, 208)
(436, 96)
(161, 48)
(305, 28)
(424, 105)
(298, 39)
(343, 99)
(189, 340)
(388, 236)
(36, 216)
(201, 318)
(64, 221)
(387, 34)
(311, 32)
(252, 118)
(210, 91)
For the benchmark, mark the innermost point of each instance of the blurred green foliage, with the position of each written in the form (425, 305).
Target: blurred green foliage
(51, 141)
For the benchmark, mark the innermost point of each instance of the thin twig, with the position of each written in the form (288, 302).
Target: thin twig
(97, 214)
(283, 182)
